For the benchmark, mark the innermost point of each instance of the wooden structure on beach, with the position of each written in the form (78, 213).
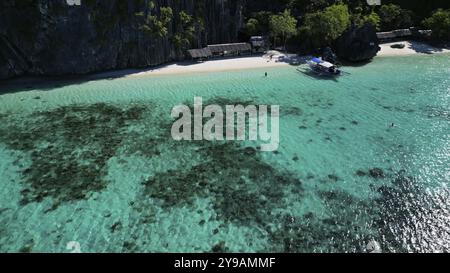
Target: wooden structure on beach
(235, 49)
(201, 53)
(259, 43)
(395, 34)
(230, 49)
(401, 34)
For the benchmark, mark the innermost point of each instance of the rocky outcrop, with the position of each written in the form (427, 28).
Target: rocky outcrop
(50, 37)
(328, 55)
(358, 44)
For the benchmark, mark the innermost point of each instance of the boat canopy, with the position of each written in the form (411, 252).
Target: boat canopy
(327, 64)
(322, 63)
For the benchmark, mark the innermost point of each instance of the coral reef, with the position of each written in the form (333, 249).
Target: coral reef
(69, 149)
(243, 187)
(310, 233)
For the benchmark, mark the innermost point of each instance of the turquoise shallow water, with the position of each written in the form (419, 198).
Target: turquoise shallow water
(93, 162)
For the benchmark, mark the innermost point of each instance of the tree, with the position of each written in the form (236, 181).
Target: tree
(252, 27)
(166, 15)
(439, 23)
(185, 33)
(372, 18)
(283, 25)
(322, 28)
(302, 6)
(153, 24)
(263, 18)
(394, 17)
(421, 8)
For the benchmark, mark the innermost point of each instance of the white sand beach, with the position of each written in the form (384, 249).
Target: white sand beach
(278, 59)
(225, 64)
(258, 61)
(411, 48)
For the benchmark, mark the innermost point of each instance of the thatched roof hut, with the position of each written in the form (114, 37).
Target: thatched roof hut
(230, 48)
(200, 53)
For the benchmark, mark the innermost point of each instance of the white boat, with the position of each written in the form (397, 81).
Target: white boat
(322, 67)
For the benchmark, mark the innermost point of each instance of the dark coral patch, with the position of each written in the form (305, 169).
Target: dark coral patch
(69, 148)
(28, 247)
(310, 176)
(330, 234)
(333, 177)
(116, 226)
(243, 188)
(291, 111)
(376, 173)
(219, 247)
(360, 173)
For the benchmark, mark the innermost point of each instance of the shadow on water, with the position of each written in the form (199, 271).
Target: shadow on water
(47, 83)
(354, 64)
(316, 76)
(23, 84)
(36, 83)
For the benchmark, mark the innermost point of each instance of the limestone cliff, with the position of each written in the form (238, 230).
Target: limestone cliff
(358, 44)
(50, 37)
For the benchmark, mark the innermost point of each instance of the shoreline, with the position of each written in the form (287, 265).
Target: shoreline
(224, 64)
(411, 48)
(279, 60)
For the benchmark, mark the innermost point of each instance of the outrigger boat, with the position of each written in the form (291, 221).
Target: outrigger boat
(323, 68)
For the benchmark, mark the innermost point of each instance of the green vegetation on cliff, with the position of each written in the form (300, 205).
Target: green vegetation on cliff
(439, 23)
(321, 22)
(283, 26)
(394, 17)
(155, 24)
(321, 28)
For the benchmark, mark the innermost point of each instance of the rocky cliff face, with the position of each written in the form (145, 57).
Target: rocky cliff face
(50, 37)
(358, 44)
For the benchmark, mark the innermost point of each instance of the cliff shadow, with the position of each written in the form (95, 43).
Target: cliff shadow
(48, 83)
(424, 48)
(343, 62)
(24, 84)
